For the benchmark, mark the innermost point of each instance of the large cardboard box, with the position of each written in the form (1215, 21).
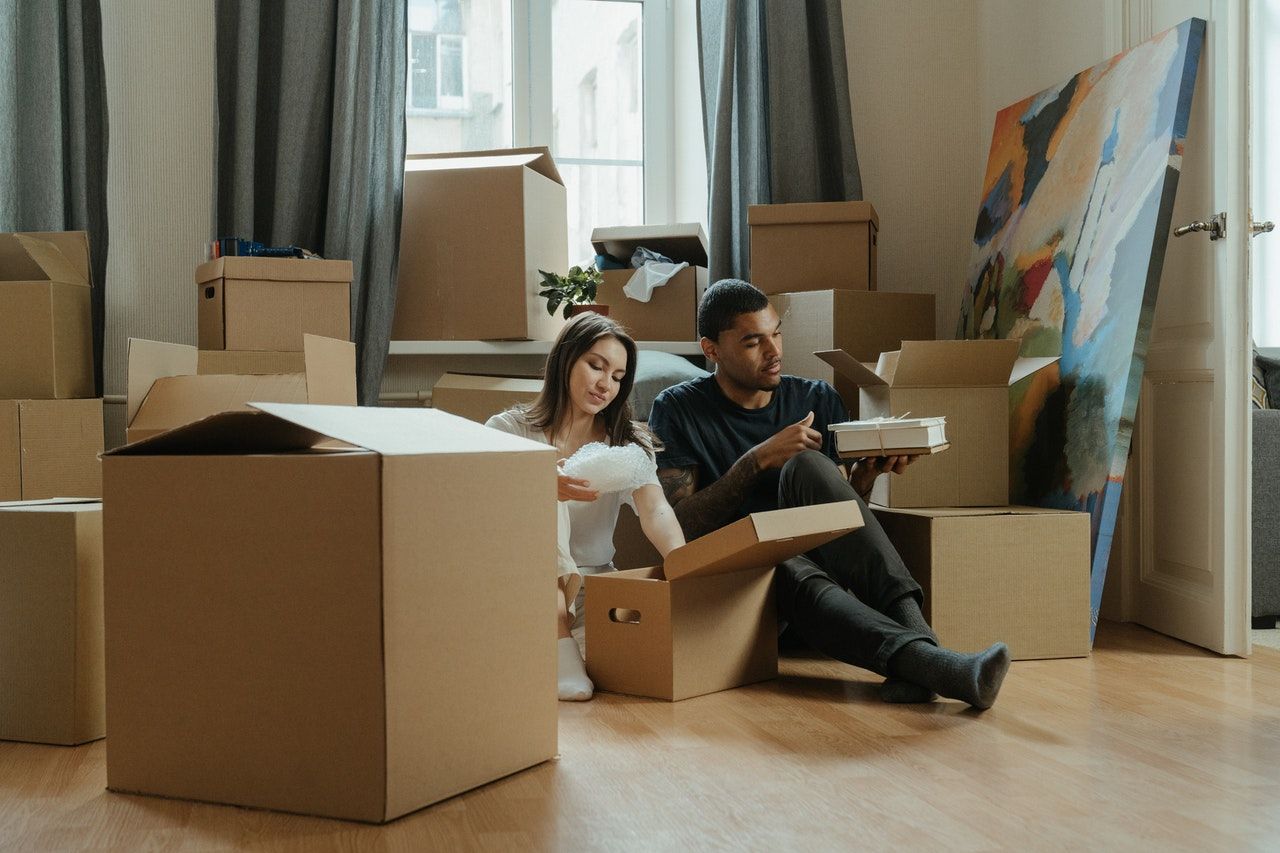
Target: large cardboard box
(271, 303)
(166, 389)
(335, 633)
(249, 362)
(51, 646)
(478, 397)
(862, 323)
(476, 228)
(704, 620)
(967, 382)
(819, 246)
(671, 314)
(1018, 575)
(50, 448)
(46, 327)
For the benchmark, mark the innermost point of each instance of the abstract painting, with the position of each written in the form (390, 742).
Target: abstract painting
(1068, 250)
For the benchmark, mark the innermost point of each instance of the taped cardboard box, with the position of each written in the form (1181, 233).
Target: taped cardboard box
(476, 228)
(818, 246)
(966, 382)
(46, 330)
(269, 304)
(166, 391)
(671, 313)
(50, 448)
(51, 640)
(862, 323)
(305, 629)
(1018, 575)
(703, 621)
(478, 397)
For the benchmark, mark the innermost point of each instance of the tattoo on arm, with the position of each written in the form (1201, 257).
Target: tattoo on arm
(677, 483)
(710, 508)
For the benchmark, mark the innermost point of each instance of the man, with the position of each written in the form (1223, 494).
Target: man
(747, 439)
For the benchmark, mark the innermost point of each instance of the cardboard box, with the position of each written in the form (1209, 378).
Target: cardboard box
(49, 449)
(271, 303)
(327, 632)
(476, 228)
(1018, 575)
(820, 246)
(704, 621)
(478, 397)
(966, 382)
(51, 646)
(46, 327)
(249, 362)
(165, 389)
(863, 324)
(671, 314)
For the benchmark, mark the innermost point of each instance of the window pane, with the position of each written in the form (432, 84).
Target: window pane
(600, 196)
(459, 96)
(596, 79)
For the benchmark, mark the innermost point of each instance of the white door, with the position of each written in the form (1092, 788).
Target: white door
(1185, 547)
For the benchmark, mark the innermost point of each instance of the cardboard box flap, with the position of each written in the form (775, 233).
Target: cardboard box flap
(152, 360)
(226, 433)
(850, 368)
(400, 432)
(976, 511)
(177, 400)
(24, 258)
(274, 269)
(683, 241)
(762, 539)
(812, 212)
(940, 364)
(331, 370)
(1024, 367)
(74, 246)
(538, 158)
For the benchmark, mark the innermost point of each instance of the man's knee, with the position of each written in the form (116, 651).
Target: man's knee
(805, 465)
(811, 477)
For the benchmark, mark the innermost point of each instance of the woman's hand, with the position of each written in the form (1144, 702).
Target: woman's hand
(574, 488)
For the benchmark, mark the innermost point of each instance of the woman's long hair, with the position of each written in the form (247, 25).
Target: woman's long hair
(549, 410)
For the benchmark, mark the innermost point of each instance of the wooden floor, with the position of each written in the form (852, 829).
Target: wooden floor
(1150, 744)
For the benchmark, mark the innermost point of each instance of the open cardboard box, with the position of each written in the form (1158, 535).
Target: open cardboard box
(478, 397)
(166, 389)
(51, 641)
(46, 329)
(50, 448)
(269, 304)
(476, 228)
(828, 245)
(671, 314)
(704, 620)
(334, 632)
(967, 382)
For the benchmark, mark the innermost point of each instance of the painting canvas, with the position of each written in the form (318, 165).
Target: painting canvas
(1067, 255)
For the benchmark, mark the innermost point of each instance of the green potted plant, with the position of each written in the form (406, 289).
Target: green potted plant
(575, 291)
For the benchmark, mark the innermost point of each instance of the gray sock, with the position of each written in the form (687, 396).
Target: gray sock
(972, 678)
(907, 613)
(899, 692)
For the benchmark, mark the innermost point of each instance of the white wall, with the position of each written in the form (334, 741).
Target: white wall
(160, 90)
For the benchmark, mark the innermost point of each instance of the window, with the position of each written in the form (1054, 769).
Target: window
(588, 78)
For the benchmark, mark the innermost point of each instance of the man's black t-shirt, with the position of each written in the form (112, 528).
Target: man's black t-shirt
(699, 425)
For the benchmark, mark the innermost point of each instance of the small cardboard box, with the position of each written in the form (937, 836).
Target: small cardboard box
(476, 228)
(166, 390)
(299, 628)
(863, 324)
(966, 382)
(46, 327)
(249, 362)
(50, 448)
(1018, 575)
(271, 303)
(671, 314)
(704, 621)
(51, 646)
(478, 397)
(819, 246)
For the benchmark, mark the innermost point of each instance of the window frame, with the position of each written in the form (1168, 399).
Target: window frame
(446, 106)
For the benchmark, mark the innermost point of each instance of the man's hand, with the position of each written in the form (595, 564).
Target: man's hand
(862, 476)
(774, 451)
(574, 488)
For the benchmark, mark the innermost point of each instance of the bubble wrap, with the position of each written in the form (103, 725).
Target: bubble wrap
(611, 469)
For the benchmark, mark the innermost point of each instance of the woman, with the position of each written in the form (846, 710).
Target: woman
(588, 378)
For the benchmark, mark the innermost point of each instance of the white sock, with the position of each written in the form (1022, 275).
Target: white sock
(574, 684)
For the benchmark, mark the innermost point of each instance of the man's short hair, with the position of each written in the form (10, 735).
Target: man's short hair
(724, 301)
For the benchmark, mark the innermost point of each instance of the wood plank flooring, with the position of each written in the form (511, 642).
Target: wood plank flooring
(1149, 744)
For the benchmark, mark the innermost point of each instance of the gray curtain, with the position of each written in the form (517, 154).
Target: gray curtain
(775, 101)
(53, 130)
(311, 138)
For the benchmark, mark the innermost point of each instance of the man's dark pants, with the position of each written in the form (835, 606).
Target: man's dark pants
(834, 597)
